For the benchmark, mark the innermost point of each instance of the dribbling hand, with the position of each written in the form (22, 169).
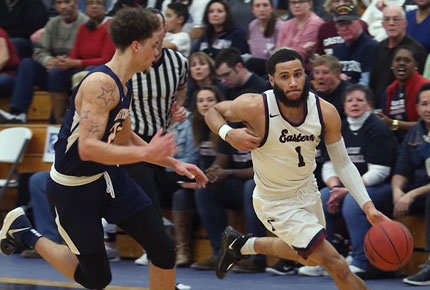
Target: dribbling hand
(243, 139)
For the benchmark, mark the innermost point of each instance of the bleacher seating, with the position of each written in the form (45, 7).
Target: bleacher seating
(39, 110)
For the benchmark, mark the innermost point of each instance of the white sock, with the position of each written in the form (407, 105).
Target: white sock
(248, 247)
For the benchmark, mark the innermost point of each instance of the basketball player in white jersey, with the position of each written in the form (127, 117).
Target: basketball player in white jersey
(284, 126)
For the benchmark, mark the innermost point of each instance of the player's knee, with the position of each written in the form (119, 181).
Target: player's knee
(338, 267)
(164, 256)
(93, 271)
(95, 282)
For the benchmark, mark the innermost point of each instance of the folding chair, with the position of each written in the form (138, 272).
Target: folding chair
(13, 143)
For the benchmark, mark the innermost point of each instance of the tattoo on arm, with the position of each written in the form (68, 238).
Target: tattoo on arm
(107, 96)
(94, 129)
(85, 114)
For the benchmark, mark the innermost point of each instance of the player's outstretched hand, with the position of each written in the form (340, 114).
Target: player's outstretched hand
(161, 146)
(243, 139)
(373, 215)
(192, 172)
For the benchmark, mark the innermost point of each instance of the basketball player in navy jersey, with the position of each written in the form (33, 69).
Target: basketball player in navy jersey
(85, 182)
(284, 126)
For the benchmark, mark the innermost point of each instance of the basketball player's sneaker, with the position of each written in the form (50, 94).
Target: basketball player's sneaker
(15, 226)
(422, 278)
(231, 243)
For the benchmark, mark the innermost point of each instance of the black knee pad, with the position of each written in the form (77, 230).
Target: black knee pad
(163, 253)
(93, 271)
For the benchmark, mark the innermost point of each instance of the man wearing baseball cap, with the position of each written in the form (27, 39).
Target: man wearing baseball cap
(355, 54)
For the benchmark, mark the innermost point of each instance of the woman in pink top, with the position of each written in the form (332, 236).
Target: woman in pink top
(300, 32)
(263, 34)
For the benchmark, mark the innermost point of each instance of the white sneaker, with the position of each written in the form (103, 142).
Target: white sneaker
(112, 254)
(180, 286)
(142, 261)
(355, 269)
(313, 271)
(8, 118)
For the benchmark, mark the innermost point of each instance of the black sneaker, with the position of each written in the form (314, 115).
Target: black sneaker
(422, 278)
(231, 243)
(14, 225)
(283, 267)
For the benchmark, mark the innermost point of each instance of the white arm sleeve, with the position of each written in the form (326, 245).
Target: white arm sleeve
(327, 171)
(347, 172)
(375, 174)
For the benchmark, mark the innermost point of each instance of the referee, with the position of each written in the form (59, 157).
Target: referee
(158, 94)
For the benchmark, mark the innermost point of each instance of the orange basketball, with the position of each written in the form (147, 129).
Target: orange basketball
(388, 245)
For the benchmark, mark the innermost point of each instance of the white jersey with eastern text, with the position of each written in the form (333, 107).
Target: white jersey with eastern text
(285, 161)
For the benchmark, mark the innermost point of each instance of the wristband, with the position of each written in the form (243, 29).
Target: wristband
(223, 130)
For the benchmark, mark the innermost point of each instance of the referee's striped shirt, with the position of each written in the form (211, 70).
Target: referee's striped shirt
(153, 93)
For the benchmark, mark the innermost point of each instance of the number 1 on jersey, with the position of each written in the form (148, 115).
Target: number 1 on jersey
(301, 160)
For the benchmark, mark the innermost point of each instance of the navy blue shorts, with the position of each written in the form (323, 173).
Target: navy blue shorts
(79, 209)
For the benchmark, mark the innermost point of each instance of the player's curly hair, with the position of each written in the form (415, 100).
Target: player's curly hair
(130, 24)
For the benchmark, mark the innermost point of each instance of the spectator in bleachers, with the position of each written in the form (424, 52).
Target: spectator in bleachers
(327, 36)
(356, 53)
(372, 148)
(202, 72)
(410, 181)
(373, 17)
(178, 192)
(9, 61)
(221, 30)
(230, 186)
(195, 26)
(328, 84)
(231, 71)
(204, 98)
(394, 22)
(183, 204)
(20, 18)
(92, 47)
(176, 16)
(263, 34)
(57, 40)
(419, 23)
(399, 100)
(300, 33)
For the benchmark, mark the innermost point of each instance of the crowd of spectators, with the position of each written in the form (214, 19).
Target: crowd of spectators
(375, 71)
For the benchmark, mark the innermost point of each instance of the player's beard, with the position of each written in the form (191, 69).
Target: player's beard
(280, 96)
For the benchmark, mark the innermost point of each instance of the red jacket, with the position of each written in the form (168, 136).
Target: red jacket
(412, 86)
(13, 61)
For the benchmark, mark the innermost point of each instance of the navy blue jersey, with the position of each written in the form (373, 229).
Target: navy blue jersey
(67, 160)
(357, 57)
(373, 143)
